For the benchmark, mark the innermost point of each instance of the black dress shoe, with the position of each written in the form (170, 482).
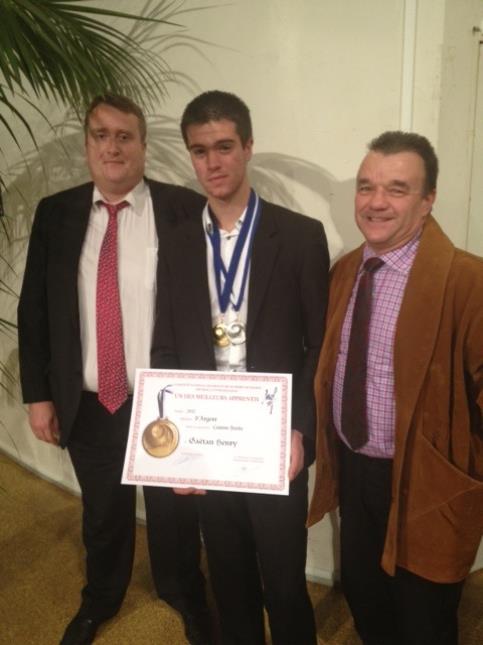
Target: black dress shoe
(197, 626)
(196, 618)
(81, 630)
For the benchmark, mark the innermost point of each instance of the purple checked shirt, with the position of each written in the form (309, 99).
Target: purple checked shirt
(389, 283)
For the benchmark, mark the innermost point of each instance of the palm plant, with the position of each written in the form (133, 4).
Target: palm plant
(65, 52)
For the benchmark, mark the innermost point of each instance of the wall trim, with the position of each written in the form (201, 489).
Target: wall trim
(408, 64)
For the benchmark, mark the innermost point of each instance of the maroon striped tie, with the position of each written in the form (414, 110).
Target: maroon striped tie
(111, 363)
(354, 395)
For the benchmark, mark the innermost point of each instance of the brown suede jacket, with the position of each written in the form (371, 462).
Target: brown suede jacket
(436, 517)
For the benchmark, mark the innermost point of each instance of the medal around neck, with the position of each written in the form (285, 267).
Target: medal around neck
(233, 333)
(220, 337)
(161, 437)
(229, 334)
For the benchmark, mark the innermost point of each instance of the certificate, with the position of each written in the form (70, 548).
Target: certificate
(213, 430)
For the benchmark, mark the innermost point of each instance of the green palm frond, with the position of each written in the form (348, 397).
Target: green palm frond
(67, 51)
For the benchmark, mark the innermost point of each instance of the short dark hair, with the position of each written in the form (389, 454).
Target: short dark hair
(392, 142)
(121, 103)
(216, 105)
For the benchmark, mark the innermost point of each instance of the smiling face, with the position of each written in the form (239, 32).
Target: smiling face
(390, 204)
(115, 151)
(220, 160)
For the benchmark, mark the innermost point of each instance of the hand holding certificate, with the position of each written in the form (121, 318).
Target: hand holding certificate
(210, 430)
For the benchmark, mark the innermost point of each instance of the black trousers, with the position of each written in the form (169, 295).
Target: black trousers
(97, 446)
(256, 546)
(401, 610)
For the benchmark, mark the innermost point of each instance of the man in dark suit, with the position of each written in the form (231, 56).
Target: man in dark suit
(83, 330)
(265, 314)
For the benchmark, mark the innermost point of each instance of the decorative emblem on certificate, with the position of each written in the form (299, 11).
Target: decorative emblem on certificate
(161, 437)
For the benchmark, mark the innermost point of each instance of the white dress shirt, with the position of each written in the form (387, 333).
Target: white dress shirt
(233, 357)
(137, 261)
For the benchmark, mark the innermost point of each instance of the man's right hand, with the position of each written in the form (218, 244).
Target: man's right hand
(43, 421)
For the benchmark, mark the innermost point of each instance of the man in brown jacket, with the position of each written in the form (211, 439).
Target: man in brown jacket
(399, 401)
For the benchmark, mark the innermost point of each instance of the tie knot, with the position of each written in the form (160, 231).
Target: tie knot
(373, 264)
(113, 209)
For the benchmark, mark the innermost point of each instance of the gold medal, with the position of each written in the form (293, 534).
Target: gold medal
(160, 438)
(220, 337)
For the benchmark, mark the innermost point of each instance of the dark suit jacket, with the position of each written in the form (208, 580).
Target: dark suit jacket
(48, 313)
(286, 302)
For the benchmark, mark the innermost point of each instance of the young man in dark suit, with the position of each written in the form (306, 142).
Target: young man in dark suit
(85, 321)
(267, 315)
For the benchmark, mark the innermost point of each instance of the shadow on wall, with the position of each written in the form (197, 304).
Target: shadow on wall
(60, 164)
(283, 179)
(289, 181)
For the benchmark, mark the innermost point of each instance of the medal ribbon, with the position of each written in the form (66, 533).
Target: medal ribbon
(250, 221)
(161, 396)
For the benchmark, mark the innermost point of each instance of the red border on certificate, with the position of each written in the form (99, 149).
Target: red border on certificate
(234, 430)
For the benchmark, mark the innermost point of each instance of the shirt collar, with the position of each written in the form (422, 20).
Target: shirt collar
(136, 197)
(400, 260)
(208, 224)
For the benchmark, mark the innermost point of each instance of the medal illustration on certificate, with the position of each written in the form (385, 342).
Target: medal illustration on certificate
(233, 333)
(161, 437)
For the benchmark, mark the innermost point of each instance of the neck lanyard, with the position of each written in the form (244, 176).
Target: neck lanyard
(246, 236)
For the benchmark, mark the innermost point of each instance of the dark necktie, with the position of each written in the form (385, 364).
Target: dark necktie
(354, 395)
(111, 363)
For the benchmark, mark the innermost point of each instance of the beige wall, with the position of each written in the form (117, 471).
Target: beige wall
(322, 77)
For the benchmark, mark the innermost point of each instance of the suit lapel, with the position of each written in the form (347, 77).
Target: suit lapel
(74, 226)
(158, 204)
(187, 249)
(342, 279)
(264, 252)
(192, 254)
(165, 208)
(418, 322)
(73, 210)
